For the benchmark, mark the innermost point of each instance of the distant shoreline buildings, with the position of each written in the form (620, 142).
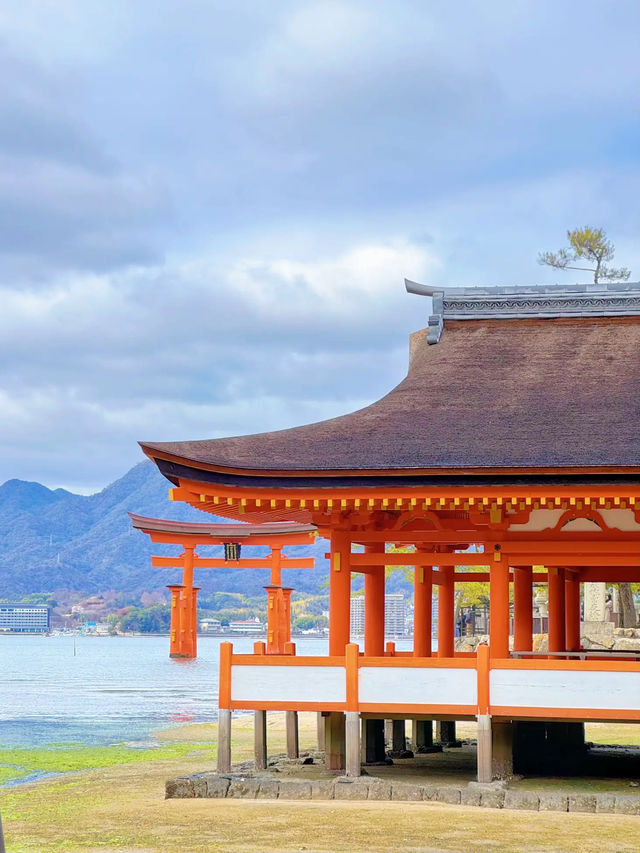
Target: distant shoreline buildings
(25, 619)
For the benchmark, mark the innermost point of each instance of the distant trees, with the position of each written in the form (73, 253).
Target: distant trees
(586, 245)
(147, 620)
(309, 622)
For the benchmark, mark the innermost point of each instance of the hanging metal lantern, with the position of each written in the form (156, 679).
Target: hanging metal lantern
(231, 552)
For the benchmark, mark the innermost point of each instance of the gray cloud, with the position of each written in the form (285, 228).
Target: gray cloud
(207, 209)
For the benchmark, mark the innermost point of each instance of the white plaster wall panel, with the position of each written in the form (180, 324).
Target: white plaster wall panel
(537, 688)
(620, 519)
(288, 684)
(417, 686)
(539, 519)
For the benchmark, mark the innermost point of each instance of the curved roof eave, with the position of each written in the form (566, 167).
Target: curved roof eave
(498, 396)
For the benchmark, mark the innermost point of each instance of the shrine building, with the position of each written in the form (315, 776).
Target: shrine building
(516, 431)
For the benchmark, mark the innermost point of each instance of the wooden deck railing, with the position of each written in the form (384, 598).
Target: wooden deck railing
(461, 687)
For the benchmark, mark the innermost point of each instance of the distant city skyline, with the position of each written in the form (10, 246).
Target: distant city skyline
(208, 210)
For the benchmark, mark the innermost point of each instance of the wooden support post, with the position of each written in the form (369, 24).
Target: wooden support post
(352, 743)
(446, 613)
(388, 734)
(529, 746)
(334, 740)
(502, 749)
(224, 740)
(485, 761)
(446, 734)
(422, 598)
(556, 610)
(260, 739)
(339, 592)
(572, 612)
(320, 730)
(422, 737)
(374, 587)
(498, 605)
(399, 739)
(291, 728)
(523, 609)
(373, 742)
(564, 741)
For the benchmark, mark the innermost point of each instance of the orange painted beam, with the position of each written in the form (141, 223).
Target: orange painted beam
(610, 574)
(193, 488)
(243, 563)
(193, 540)
(577, 559)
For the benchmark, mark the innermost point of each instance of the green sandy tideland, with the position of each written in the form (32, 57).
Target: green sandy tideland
(11, 774)
(17, 763)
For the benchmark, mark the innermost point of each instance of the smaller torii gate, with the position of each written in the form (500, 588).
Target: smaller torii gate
(184, 622)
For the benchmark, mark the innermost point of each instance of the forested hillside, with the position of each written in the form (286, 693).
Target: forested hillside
(54, 540)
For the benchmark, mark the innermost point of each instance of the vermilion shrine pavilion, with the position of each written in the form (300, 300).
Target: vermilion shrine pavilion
(517, 431)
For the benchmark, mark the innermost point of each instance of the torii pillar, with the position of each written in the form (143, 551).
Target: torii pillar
(184, 611)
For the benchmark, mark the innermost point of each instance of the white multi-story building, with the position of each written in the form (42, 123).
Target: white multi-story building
(394, 615)
(25, 618)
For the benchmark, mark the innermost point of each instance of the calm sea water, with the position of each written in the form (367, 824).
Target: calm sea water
(112, 690)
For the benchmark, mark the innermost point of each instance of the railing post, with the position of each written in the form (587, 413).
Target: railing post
(224, 712)
(352, 716)
(484, 759)
(351, 659)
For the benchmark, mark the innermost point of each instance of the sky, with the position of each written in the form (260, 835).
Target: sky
(208, 207)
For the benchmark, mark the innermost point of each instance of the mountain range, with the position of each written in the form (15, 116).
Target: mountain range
(56, 540)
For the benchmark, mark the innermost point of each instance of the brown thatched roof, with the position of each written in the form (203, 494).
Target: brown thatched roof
(506, 394)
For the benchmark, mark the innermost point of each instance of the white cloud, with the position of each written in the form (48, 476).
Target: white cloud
(209, 208)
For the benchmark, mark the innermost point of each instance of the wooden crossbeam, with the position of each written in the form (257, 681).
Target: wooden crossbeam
(243, 563)
(532, 558)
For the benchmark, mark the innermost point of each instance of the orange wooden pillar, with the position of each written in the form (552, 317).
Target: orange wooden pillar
(174, 630)
(285, 615)
(498, 604)
(273, 608)
(340, 592)
(556, 610)
(523, 609)
(276, 565)
(278, 618)
(446, 614)
(187, 605)
(278, 607)
(572, 612)
(422, 600)
(194, 622)
(374, 587)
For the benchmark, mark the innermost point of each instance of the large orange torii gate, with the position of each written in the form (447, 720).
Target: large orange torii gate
(275, 535)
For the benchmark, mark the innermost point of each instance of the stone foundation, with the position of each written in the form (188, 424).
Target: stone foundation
(495, 795)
